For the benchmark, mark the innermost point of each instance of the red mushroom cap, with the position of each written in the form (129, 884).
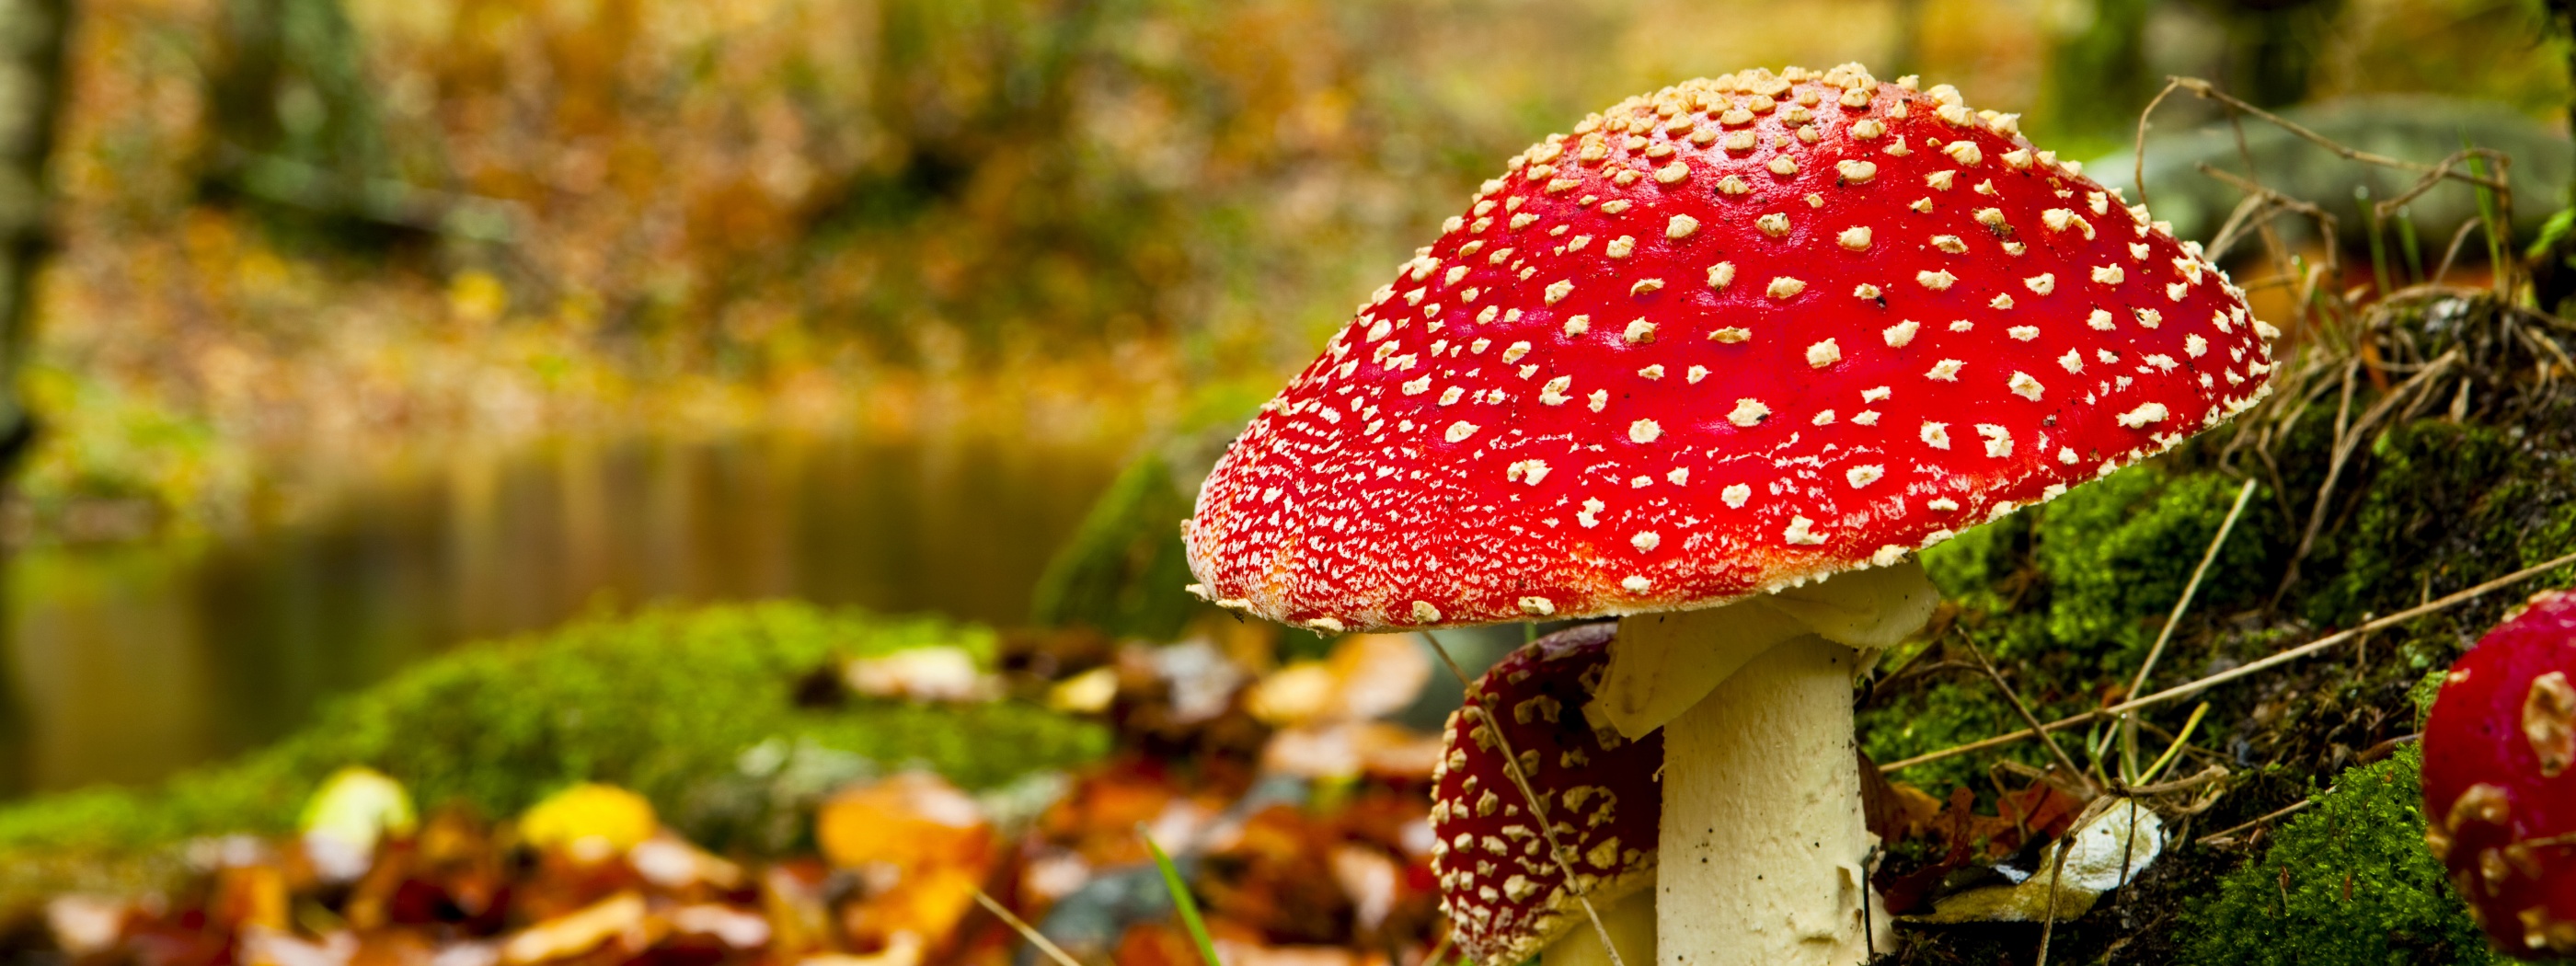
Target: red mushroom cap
(2499, 797)
(1735, 335)
(1504, 897)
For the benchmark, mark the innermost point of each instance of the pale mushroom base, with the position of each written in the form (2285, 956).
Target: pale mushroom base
(1762, 826)
(1762, 839)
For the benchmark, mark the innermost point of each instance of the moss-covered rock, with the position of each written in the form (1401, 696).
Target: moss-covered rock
(2345, 883)
(2067, 596)
(1123, 572)
(665, 702)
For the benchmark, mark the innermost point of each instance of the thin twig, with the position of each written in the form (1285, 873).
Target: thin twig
(2024, 709)
(2056, 881)
(2199, 778)
(1439, 950)
(2129, 725)
(2334, 469)
(2233, 229)
(1538, 809)
(2128, 852)
(2253, 191)
(1026, 931)
(2205, 89)
(2293, 807)
(2458, 238)
(2138, 152)
(2443, 172)
(2242, 670)
(2551, 346)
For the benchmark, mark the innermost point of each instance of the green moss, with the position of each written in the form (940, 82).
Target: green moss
(1123, 570)
(1953, 711)
(2421, 695)
(2448, 505)
(2070, 595)
(664, 702)
(2092, 575)
(2118, 552)
(1978, 568)
(2291, 905)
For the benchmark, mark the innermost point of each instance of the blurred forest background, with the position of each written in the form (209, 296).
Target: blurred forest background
(299, 237)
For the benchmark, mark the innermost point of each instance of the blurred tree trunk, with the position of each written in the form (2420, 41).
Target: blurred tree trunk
(2552, 259)
(2098, 78)
(2273, 47)
(31, 82)
(293, 118)
(31, 93)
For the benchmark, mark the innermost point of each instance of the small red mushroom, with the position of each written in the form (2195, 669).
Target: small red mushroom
(1718, 344)
(2499, 797)
(1505, 897)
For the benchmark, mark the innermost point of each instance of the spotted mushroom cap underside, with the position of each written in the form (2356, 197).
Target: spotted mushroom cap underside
(2499, 792)
(1505, 898)
(1735, 335)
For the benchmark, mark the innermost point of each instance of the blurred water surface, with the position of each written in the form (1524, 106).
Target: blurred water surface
(126, 663)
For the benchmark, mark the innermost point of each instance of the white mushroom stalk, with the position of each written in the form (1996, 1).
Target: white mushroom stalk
(1764, 844)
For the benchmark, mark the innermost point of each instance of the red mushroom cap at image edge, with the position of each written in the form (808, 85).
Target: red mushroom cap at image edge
(2499, 797)
(1729, 337)
(1504, 897)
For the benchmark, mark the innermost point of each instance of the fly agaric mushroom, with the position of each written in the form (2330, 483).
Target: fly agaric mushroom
(1719, 344)
(2499, 798)
(1505, 897)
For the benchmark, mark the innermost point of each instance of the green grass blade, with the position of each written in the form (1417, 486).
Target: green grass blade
(1181, 898)
(2378, 239)
(2407, 243)
(2498, 222)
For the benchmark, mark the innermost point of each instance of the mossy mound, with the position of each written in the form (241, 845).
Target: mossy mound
(2345, 882)
(2071, 595)
(2470, 479)
(666, 702)
(1123, 572)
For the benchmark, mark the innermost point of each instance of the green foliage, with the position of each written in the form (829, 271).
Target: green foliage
(2098, 78)
(663, 702)
(2364, 839)
(103, 446)
(1182, 902)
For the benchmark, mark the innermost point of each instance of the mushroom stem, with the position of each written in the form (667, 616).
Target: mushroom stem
(1762, 837)
(1762, 833)
(1630, 923)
